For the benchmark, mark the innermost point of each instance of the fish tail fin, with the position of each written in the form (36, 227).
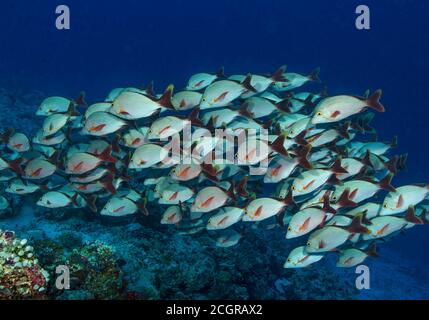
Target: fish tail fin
(356, 226)
(337, 168)
(15, 165)
(209, 169)
(242, 187)
(194, 117)
(106, 155)
(246, 83)
(55, 158)
(302, 156)
(115, 143)
(80, 100)
(210, 125)
(392, 165)
(289, 199)
(371, 251)
(244, 111)
(423, 216)
(280, 218)
(402, 161)
(267, 124)
(300, 139)
(68, 134)
(385, 183)
(357, 125)
(278, 74)
(221, 73)
(165, 100)
(333, 180)
(149, 89)
(345, 201)
(343, 130)
(74, 199)
(365, 122)
(72, 110)
(107, 183)
(91, 202)
(314, 75)
(231, 192)
(277, 146)
(326, 204)
(366, 160)
(283, 105)
(373, 101)
(141, 205)
(309, 101)
(323, 92)
(411, 217)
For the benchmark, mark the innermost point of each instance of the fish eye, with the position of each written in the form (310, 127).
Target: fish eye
(203, 99)
(334, 198)
(385, 206)
(308, 244)
(293, 188)
(289, 228)
(289, 260)
(291, 132)
(319, 114)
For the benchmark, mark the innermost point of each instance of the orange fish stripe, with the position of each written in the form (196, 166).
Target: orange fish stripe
(382, 230)
(335, 114)
(304, 226)
(119, 209)
(171, 217)
(303, 259)
(258, 211)
(36, 173)
(348, 260)
(198, 84)
(207, 202)
(97, 128)
(164, 130)
(400, 202)
(78, 167)
(184, 172)
(275, 171)
(174, 196)
(136, 141)
(308, 185)
(222, 221)
(221, 97)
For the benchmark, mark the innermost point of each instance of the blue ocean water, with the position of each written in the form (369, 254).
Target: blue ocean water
(130, 42)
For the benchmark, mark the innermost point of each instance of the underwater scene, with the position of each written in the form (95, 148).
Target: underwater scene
(214, 150)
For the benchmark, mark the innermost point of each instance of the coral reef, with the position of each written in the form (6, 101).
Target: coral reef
(94, 270)
(21, 276)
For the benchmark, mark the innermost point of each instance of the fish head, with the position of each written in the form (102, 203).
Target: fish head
(205, 102)
(294, 257)
(389, 205)
(292, 231)
(320, 116)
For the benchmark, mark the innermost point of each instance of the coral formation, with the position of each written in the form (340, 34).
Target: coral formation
(21, 275)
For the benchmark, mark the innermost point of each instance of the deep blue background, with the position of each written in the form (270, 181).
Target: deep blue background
(130, 42)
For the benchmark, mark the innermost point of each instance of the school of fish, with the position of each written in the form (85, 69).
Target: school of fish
(324, 173)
